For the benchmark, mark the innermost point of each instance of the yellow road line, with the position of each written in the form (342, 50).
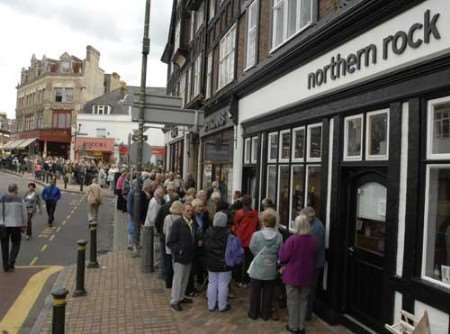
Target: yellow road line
(52, 237)
(44, 248)
(14, 319)
(33, 261)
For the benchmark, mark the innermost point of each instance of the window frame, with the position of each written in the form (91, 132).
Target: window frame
(247, 150)
(294, 142)
(225, 56)
(197, 72)
(305, 191)
(209, 73)
(377, 157)
(430, 129)
(269, 145)
(308, 142)
(278, 168)
(275, 200)
(359, 157)
(280, 146)
(425, 229)
(254, 154)
(254, 6)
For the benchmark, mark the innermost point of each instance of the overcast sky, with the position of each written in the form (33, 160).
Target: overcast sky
(51, 27)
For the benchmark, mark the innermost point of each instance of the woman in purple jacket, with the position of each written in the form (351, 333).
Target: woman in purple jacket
(298, 258)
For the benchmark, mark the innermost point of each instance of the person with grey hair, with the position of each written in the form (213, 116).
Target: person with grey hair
(219, 274)
(13, 219)
(318, 231)
(298, 259)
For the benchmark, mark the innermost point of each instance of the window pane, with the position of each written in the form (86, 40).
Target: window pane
(255, 149)
(437, 238)
(371, 216)
(314, 188)
(283, 195)
(248, 144)
(377, 134)
(298, 190)
(278, 20)
(273, 149)
(354, 129)
(306, 13)
(285, 145)
(441, 127)
(299, 144)
(271, 182)
(292, 17)
(315, 148)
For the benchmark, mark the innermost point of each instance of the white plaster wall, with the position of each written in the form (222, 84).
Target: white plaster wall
(237, 158)
(438, 319)
(293, 87)
(403, 188)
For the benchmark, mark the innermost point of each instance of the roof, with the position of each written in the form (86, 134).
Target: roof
(120, 100)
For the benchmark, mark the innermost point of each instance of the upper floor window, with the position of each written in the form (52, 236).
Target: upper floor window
(226, 57)
(197, 75)
(177, 35)
(62, 120)
(252, 26)
(101, 109)
(63, 95)
(212, 9)
(199, 16)
(209, 75)
(289, 17)
(65, 66)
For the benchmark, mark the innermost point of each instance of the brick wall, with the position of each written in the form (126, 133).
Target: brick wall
(241, 45)
(264, 29)
(327, 7)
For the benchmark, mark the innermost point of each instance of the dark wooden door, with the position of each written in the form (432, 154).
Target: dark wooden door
(366, 224)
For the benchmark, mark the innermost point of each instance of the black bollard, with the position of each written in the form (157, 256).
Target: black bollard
(59, 310)
(81, 262)
(93, 246)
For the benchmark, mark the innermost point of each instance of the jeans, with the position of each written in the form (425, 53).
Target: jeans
(261, 296)
(133, 233)
(181, 274)
(218, 286)
(297, 299)
(9, 258)
(51, 207)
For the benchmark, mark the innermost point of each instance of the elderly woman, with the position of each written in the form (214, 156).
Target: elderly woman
(263, 272)
(176, 210)
(298, 257)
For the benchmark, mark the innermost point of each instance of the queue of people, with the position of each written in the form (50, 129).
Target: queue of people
(207, 243)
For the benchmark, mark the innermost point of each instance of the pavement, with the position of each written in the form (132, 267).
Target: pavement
(47, 253)
(122, 299)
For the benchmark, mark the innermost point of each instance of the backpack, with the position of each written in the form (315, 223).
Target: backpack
(234, 253)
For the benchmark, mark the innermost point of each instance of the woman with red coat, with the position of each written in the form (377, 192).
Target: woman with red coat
(245, 224)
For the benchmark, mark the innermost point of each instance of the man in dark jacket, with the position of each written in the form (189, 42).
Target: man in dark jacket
(181, 242)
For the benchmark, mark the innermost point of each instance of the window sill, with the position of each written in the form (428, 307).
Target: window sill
(275, 48)
(248, 68)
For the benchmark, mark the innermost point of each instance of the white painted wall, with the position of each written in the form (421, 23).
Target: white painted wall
(293, 87)
(237, 158)
(438, 319)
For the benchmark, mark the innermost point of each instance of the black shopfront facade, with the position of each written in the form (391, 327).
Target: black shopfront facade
(372, 156)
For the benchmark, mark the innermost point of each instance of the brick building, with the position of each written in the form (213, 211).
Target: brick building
(339, 105)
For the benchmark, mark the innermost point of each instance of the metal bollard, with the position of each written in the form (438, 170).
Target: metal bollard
(59, 310)
(148, 235)
(93, 246)
(81, 262)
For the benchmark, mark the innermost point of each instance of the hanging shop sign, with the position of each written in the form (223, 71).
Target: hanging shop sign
(217, 121)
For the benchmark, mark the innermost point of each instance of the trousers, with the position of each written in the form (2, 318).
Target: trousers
(297, 299)
(9, 257)
(51, 207)
(180, 281)
(218, 286)
(261, 296)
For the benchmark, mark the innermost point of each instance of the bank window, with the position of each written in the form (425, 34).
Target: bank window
(289, 17)
(353, 137)
(285, 145)
(273, 147)
(377, 135)
(438, 145)
(248, 150)
(314, 143)
(436, 243)
(255, 142)
(298, 144)
(252, 26)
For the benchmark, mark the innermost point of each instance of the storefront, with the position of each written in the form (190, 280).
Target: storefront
(176, 151)
(99, 149)
(362, 134)
(217, 150)
(47, 142)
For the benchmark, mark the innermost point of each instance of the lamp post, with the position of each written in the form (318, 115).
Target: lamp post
(140, 141)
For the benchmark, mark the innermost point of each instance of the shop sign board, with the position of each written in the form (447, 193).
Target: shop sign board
(94, 144)
(217, 121)
(413, 37)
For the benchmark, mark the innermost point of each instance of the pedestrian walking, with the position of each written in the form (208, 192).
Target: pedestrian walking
(264, 245)
(94, 199)
(51, 195)
(33, 204)
(12, 220)
(219, 273)
(298, 259)
(181, 242)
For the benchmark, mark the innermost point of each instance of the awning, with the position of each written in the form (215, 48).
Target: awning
(25, 143)
(13, 144)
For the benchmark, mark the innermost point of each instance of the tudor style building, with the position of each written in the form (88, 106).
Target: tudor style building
(343, 106)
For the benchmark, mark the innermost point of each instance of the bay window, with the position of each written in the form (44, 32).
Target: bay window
(227, 57)
(289, 17)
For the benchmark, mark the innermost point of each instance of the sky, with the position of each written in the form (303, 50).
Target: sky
(52, 27)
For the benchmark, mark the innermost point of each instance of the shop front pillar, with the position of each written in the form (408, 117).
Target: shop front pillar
(237, 158)
(186, 152)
